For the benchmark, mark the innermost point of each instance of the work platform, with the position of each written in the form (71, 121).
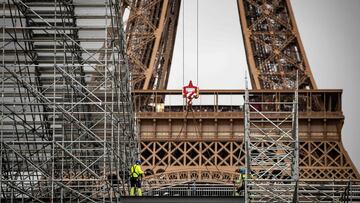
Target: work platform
(160, 199)
(181, 199)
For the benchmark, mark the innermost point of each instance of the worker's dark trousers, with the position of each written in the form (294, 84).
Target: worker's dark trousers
(135, 183)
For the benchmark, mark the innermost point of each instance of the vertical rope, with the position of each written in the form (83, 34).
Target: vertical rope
(197, 42)
(183, 33)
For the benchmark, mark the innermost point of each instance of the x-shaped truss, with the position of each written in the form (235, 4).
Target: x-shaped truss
(271, 145)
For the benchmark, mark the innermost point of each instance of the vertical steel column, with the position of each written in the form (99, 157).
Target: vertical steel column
(247, 136)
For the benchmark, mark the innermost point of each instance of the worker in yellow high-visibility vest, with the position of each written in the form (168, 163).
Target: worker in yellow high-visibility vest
(240, 183)
(135, 178)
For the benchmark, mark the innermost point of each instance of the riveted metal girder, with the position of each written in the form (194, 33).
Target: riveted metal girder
(273, 46)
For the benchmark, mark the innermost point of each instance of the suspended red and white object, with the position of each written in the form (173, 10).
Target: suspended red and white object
(190, 92)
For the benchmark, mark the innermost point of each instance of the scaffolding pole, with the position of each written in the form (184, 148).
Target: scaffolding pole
(271, 146)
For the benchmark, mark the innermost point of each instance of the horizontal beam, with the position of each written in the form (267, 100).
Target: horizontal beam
(233, 91)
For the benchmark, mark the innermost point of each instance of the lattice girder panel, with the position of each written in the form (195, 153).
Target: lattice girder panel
(168, 155)
(67, 126)
(325, 160)
(175, 154)
(219, 131)
(272, 42)
(150, 31)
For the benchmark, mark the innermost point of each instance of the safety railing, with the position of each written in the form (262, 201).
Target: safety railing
(191, 189)
(315, 101)
(308, 191)
(329, 191)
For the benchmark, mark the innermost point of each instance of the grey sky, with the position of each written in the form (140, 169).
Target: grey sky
(329, 29)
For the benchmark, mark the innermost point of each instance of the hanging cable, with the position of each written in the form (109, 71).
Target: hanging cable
(183, 33)
(197, 134)
(197, 43)
(175, 139)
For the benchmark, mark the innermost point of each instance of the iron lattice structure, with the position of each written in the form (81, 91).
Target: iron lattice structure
(206, 146)
(66, 116)
(67, 124)
(271, 150)
(150, 34)
(272, 42)
(275, 53)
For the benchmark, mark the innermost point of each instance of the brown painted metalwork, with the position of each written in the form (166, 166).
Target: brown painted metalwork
(273, 45)
(150, 35)
(179, 147)
(210, 138)
(271, 38)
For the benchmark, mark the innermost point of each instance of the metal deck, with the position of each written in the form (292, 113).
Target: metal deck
(180, 199)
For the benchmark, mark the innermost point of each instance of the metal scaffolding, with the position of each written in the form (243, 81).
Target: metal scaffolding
(67, 129)
(67, 123)
(272, 149)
